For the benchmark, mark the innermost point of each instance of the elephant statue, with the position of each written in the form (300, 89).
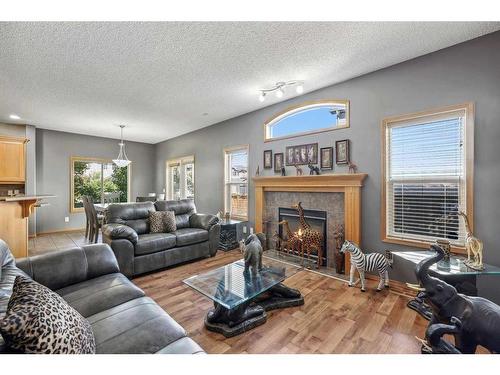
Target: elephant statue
(252, 253)
(472, 321)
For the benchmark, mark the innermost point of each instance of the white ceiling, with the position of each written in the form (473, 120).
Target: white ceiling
(160, 78)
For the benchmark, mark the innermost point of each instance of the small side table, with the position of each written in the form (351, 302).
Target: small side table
(231, 232)
(453, 271)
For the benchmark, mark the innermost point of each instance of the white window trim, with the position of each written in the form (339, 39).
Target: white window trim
(468, 109)
(182, 161)
(227, 183)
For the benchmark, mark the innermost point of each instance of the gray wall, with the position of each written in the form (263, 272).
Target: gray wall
(53, 152)
(465, 72)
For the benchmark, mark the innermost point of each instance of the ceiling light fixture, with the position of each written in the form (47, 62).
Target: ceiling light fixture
(14, 117)
(122, 160)
(279, 89)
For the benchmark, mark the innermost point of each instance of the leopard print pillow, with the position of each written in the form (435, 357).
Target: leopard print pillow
(40, 321)
(162, 222)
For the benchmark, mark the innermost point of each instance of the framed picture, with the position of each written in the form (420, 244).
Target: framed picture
(342, 152)
(326, 158)
(302, 154)
(268, 159)
(278, 162)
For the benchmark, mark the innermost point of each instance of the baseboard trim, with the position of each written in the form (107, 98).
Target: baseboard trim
(396, 286)
(68, 230)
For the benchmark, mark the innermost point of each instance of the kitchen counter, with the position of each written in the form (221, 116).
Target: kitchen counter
(14, 214)
(16, 198)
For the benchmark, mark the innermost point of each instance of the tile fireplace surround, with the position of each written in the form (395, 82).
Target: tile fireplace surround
(348, 184)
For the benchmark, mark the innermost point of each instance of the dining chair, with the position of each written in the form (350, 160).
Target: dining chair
(87, 216)
(145, 199)
(95, 220)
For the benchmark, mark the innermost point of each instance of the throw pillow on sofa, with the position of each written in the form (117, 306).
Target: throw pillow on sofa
(40, 321)
(162, 222)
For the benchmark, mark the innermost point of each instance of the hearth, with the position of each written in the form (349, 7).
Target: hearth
(317, 219)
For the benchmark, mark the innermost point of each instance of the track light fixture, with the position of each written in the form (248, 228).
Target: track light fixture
(279, 89)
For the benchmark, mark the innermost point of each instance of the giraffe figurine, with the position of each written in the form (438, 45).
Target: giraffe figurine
(473, 245)
(293, 242)
(311, 239)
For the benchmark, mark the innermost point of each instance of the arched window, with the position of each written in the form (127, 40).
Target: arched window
(309, 118)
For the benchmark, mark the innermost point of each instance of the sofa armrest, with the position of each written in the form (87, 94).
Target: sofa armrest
(203, 221)
(61, 268)
(119, 231)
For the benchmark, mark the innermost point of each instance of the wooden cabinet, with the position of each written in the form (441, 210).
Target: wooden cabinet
(12, 160)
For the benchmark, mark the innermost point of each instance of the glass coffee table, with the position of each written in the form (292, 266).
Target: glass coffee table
(241, 298)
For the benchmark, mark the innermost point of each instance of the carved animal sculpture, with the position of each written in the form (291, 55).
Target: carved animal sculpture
(473, 245)
(277, 241)
(242, 246)
(311, 239)
(313, 170)
(293, 243)
(353, 168)
(283, 171)
(368, 262)
(252, 254)
(299, 170)
(472, 320)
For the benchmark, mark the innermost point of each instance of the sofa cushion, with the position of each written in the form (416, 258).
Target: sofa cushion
(189, 236)
(40, 321)
(183, 209)
(154, 242)
(95, 295)
(137, 326)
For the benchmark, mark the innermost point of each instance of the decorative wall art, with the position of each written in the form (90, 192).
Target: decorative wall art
(326, 158)
(268, 159)
(302, 154)
(278, 162)
(342, 152)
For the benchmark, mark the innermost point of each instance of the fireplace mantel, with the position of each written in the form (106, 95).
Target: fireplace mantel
(348, 183)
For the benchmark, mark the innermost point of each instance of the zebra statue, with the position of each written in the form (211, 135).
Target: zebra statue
(369, 262)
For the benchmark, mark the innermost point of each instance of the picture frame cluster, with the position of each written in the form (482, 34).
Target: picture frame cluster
(309, 154)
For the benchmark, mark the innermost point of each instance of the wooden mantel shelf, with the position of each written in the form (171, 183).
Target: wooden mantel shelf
(348, 183)
(323, 180)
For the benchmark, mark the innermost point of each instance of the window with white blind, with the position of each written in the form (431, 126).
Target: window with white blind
(236, 182)
(428, 175)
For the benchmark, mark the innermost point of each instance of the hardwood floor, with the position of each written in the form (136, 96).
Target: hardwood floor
(334, 318)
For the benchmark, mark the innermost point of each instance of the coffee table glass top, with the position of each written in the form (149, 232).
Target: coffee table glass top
(454, 266)
(230, 286)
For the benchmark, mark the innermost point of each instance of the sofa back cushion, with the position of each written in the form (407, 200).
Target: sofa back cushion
(183, 209)
(135, 215)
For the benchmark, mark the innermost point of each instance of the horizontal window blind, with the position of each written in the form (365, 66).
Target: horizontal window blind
(425, 180)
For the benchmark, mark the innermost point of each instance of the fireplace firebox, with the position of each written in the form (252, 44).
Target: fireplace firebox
(315, 218)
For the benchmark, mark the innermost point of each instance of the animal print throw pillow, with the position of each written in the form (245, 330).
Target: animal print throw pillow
(162, 222)
(156, 222)
(169, 221)
(40, 321)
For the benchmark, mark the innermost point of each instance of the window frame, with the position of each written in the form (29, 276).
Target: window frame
(182, 162)
(296, 108)
(386, 123)
(73, 209)
(225, 152)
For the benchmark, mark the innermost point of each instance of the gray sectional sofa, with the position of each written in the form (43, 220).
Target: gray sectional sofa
(138, 251)
(123, 319)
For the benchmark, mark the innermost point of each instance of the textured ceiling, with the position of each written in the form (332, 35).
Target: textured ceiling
(160, 78)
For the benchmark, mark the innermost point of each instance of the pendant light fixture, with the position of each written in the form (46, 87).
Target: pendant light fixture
(122, 160)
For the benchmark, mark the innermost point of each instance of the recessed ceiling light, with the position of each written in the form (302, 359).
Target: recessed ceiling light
(14, 117)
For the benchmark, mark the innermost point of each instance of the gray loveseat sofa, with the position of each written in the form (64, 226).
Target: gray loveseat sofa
(123, 319)
(138, 251)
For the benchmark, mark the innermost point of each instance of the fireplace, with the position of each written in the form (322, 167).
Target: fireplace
(319, 192)
(315, 218)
